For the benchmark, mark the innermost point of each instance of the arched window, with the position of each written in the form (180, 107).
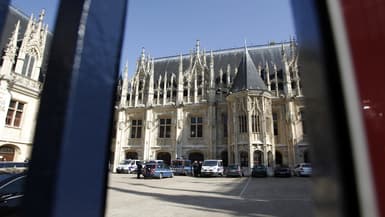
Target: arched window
(29, 62)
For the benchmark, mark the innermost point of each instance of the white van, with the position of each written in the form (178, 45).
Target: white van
(212, 168)
(128, 166)
(124, 166)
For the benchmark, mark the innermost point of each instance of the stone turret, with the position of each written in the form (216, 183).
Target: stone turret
(31, 53)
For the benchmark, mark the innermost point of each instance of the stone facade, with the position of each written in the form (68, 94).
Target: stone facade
(241, 105)
(20, 83)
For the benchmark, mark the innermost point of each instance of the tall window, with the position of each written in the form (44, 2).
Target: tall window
(255, 124)
(302, 116)
(14, 114)
(275, 123)
(242, 123)
(29, 62)
(196, 126)
(224, 121)
(165, 128)
(136, 128)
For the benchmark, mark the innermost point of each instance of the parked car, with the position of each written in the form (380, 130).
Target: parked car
(212, 168)
(11, 194)
(303, 169)
(234, 170)
(127, 166)
(259, 171)
(181, 167)
(13, 167)
(157, 170)
(282, 171)
(124, 167)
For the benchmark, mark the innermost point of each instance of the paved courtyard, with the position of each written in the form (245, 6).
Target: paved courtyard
(212, 196)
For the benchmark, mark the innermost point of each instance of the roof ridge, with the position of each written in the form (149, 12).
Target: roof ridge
(254, 47)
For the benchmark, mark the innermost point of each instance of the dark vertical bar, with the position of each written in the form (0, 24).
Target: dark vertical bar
(335, 192)
(366, 34)
(68, 175)
(4, 4)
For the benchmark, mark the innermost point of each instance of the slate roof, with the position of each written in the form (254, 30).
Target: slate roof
(247, 77)
(260, 55)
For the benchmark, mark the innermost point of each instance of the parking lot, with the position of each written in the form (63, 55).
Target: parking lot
(209, 196)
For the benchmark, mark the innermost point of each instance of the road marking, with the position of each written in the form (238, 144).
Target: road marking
(244, 188)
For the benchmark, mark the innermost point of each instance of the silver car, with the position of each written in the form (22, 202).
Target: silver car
(303, 169)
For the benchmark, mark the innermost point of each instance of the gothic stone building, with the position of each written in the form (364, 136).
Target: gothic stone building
(241, 105)
(23, 44)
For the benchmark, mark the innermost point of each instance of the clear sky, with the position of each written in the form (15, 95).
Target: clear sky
(171, 27)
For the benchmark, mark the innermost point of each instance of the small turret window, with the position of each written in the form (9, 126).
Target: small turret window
(29, 62)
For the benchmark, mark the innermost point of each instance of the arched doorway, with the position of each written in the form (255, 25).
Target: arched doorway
(195, 156)
(244, 158)
(270, 159)
(131, 155)
(224, 157)
(258, 157)
(306, 157)
(278, 158)
(7, 153)
(165, 156)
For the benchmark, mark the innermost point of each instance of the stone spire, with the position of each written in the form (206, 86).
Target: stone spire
(197, 47)
(276, 80)
(286, 73)
(142, 56)
(151, 84)
(11, 48)
(180, 81)
(40, 21)
(211, 69)
(267, 70)
(10, 54)
(123, 98)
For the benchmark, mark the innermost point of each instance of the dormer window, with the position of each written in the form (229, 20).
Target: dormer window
(29, 62)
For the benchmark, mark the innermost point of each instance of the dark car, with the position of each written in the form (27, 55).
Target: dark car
(11, 194)
(234, 170)
(282, 171)
(259, 171)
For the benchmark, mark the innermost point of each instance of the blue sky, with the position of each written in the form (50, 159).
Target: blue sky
(171, 27)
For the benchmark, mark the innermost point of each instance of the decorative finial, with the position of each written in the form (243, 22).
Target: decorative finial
(197, 46)
(42, 14)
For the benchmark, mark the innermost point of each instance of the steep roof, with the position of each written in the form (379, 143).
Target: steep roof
(247, 77)
(228, 58)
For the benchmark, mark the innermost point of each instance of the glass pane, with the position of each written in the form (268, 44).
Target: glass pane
(31, 66)
(168, 131)
(161, 131)
(8, 120)
(12, 104)
(199, 119)
(199, 130)
(20, 106)
(139, 132)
